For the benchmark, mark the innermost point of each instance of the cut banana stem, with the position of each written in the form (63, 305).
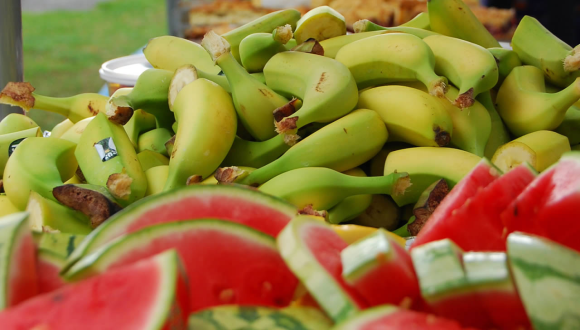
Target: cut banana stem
(282, 34)
(183, 75)
(572, 61)
(540, 149)
(364, 26)
(320, 23)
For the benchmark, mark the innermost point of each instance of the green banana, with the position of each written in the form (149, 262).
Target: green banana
(525, 107)
(421, 21)
(339, 146)
(352, 206)
(266, 23)
(333, 45)
(454, 18)
(155, 140)
(49, 216)
(9, 142)
(468, 66)
(254, 102)
(506, 60)
(259, 76)
(382, 213)
(59, 129)
(75, 108)
(206, 129)
(320, 23)
(139, 123)
(364, 25)
(255, 154)
(537, 46)
(570, 126)
(156, 178)
(431, 125)
(74, 133)
(257, 49)
(390, 58)
(14, 122)
(150, 94)
(320, 188)
(149, 159)
(107, 158)
(425, 165)
(38, 164)
(499, 134)
(325, 86)
(169, 53)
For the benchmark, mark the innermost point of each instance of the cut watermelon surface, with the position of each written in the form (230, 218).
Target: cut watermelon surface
(227, 263)
(476, 226)
(392, 318)
(49, 265)
(149, 295)
(311, 248)
(260, 211)
(548, 207)
(482, 175)
(18, 271)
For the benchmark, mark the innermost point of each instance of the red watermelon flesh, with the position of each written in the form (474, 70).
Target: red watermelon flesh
(49, 265)
(144, 295)
(227, 263)
(476, 226)
(482, 175)
(548, 207)
(505, 309)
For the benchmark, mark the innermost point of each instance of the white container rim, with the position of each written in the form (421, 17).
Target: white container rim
(124, 70)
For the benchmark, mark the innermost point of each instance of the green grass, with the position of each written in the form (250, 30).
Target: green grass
(63, 50)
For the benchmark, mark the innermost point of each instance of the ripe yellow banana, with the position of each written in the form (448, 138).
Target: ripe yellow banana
(75, 108)
(149, 159)
(431, 125)
(320, 23)
(333, 45)
(426, 165)
(325, 86)
(15, 122)
(254, 102)
(38, 164)
(9, 142)
(107, 159)
(524, 105)
(155, 140)
(468, 66)
(454, 18)
(352, 206)
(59, 129)
(169, 53)
(206, 129)
(156, 178)
(364, 25)
(74, 133)
(48, 216)
(540, 149)
(257, 49)
(390, 58)
(499, 134)
(6, 206)
(341, 145)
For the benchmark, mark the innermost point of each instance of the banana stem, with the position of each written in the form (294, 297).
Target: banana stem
(230, 66)
(567, 97)
(364, 25)
(222, 81)
(392, 184)
(572, 61)
(59, 105)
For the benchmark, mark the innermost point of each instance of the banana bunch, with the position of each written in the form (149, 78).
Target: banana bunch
(352, 128)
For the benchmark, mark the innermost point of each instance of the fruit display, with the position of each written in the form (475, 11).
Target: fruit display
(288, 175)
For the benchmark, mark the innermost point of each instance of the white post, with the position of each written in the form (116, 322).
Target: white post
(10, 48)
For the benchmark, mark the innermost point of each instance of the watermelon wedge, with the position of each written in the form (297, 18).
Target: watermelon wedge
(18, 261)
(61, 244)
(311, 248)
(148, 295)
(381, 270)
(389, 317)
(548, 207)
(547, 276)
(480, 176)
(476, 226)
(234, 203)
(444, 284)
(49, 265)
(235, 317)
(227, 263)
(489, 275)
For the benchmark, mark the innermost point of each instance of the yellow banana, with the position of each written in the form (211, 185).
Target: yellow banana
(155, 140)
(333, 45)
(9, 142)
(156, 178)
(257, 48)
(15, 122)
(139, 123)
(320, 23)
(499, 134)
(421, 21)
(59, 129)
(149, 159)
(352, 206)
(169, 53)
(364, 25)
(506, 60)
(48, 215)
(74, 133)
(6, 206)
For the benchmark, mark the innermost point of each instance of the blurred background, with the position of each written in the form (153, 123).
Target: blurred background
(66, 41)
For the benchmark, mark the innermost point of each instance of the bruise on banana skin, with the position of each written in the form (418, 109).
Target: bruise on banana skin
(309, 210)
(18, 94)
(89, 202)
(1, 186)
(442, 138)
(427, 205)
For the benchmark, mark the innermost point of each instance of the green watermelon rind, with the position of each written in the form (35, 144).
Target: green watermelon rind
(488, 271)
(123, 219)
(12, 228)
(368, 315)
(361, 257)
(322, 286)
(99, 260)
(553, 302)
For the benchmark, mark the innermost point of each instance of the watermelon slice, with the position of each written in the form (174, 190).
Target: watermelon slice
(18, 260)
(311, 248)
(147, 295)
(547, 276)
(482, 175)
(489, 276)
(548, 207)
(61, 244)
(235, 317)
(390, 317)
(49, 265)
(444, 284)
(476, 226)
(381, 271)
(238, 204)
(227, 263)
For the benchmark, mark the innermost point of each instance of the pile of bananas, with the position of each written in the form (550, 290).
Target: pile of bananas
(286, 103)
